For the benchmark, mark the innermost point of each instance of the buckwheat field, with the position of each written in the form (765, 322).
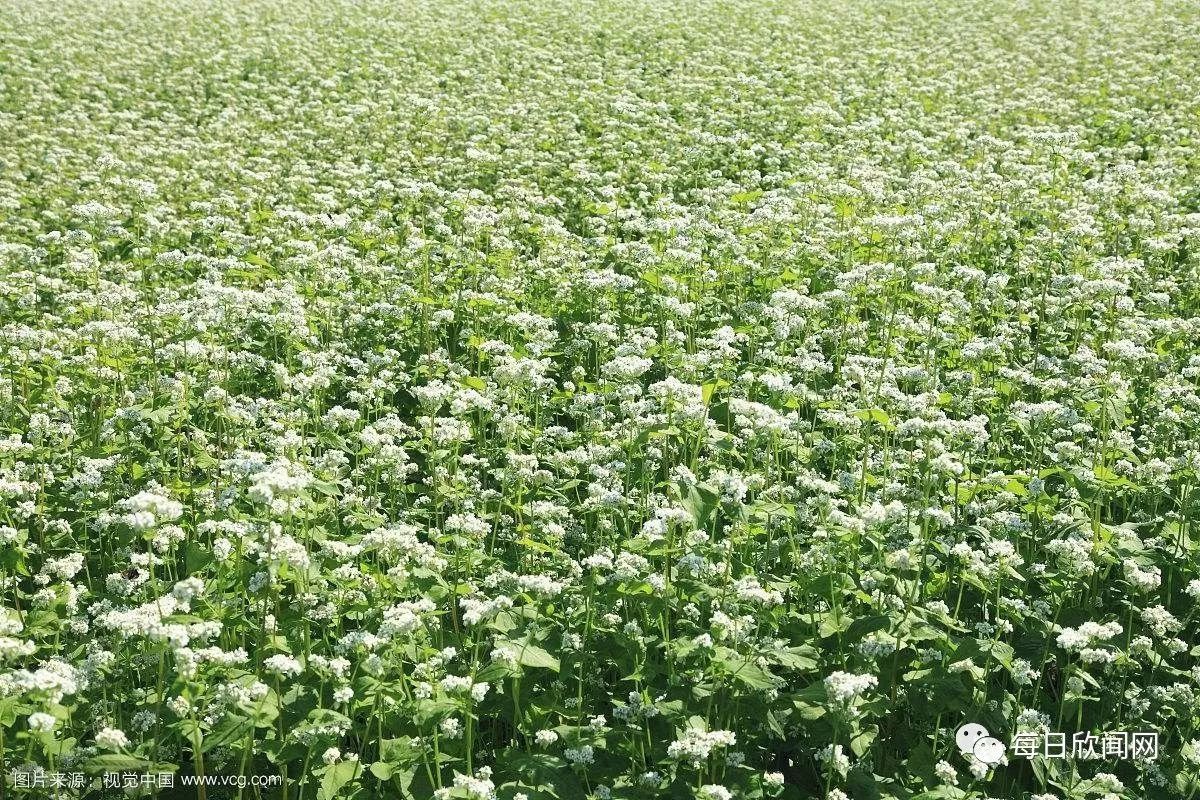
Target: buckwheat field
(606, 399)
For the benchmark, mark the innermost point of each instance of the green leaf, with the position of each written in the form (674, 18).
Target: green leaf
(653, 279)
(876, 415)
(327, 488)
(944, 792)
(745, 670)
(701, 501)
(833, 622)
(803, 657)
(197, 557)
(233, 728)
(58, 747)
(530, 655)
(861, 742)
(708, 389)
(399, 751)
(863, 626)
(434, 710)
(336, 776)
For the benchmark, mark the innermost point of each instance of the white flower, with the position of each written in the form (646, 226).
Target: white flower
(283, 665)
(180, 706)
(843, 687)
(12, 648)
(835, 756)
(695, 745)
(579, 756)
(1077, 638)
(1144, 579)
(42, 722)
(111, 739)
(477, 787)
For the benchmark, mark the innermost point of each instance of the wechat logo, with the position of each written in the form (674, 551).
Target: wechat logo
(974, 740)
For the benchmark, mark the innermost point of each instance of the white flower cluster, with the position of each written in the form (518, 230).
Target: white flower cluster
(443, 380)
(1083, 639)
(695, 745)
(844, 687)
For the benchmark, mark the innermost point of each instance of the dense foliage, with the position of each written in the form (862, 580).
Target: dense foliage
(599, 398)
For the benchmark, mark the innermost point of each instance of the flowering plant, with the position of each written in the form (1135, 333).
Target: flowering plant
(529, 399)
